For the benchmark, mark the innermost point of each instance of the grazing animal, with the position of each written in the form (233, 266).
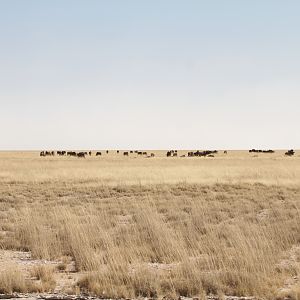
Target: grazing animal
(225, 152)
(106, 151)
(152, 154)
(61, 153)
(261, 151)
(98, 154)
(125, 153)
(90, 153)
(81, 154)
(47, 153)
(169, 153)
(202, 153)
(71, 153)
(290, 152)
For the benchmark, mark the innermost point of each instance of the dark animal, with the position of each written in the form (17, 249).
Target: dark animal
(290, 152)
(98, 154)
(81, 154)
(261, 151)
(71, 153)
(202, 153)
(125, 153)
(47, 153)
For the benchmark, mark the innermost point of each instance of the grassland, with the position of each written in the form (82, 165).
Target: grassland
(152, 227)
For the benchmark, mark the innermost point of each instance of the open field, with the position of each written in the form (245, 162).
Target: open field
(115, 169)
(120, 226)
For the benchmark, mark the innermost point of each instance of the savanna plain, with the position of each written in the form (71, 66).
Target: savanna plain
(120, 226)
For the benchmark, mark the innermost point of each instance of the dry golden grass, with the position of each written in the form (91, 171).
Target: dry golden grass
(45, 275)
(115, 169)
(158, 226)
(12, 280)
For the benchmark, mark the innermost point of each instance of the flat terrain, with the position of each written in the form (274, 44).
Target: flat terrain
(117, 226)
(115, 169)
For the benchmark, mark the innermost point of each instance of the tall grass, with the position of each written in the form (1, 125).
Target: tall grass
(157, 240)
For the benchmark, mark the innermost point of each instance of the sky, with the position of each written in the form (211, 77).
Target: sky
(160, 74)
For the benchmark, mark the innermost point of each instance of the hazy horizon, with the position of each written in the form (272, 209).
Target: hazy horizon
(149, 75)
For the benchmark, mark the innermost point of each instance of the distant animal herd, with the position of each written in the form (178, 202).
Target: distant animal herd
(170, 153)
(89, 153)
(288, 153)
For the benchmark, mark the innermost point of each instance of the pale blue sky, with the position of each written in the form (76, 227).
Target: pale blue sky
(149, 74)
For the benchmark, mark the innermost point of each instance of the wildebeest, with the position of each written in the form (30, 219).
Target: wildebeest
(47, 153)
(144, 153)
(152, 154)
(140, 153)
(131, 151)
(90, 153)
(118, 151)
(169, 153)
(98, 153)
(61, 153)
(106, 151)
(202, 153)
(290, 152)
(125, 153)
(261, 151)
(71, 153)
(81, 154)
(225, 152)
